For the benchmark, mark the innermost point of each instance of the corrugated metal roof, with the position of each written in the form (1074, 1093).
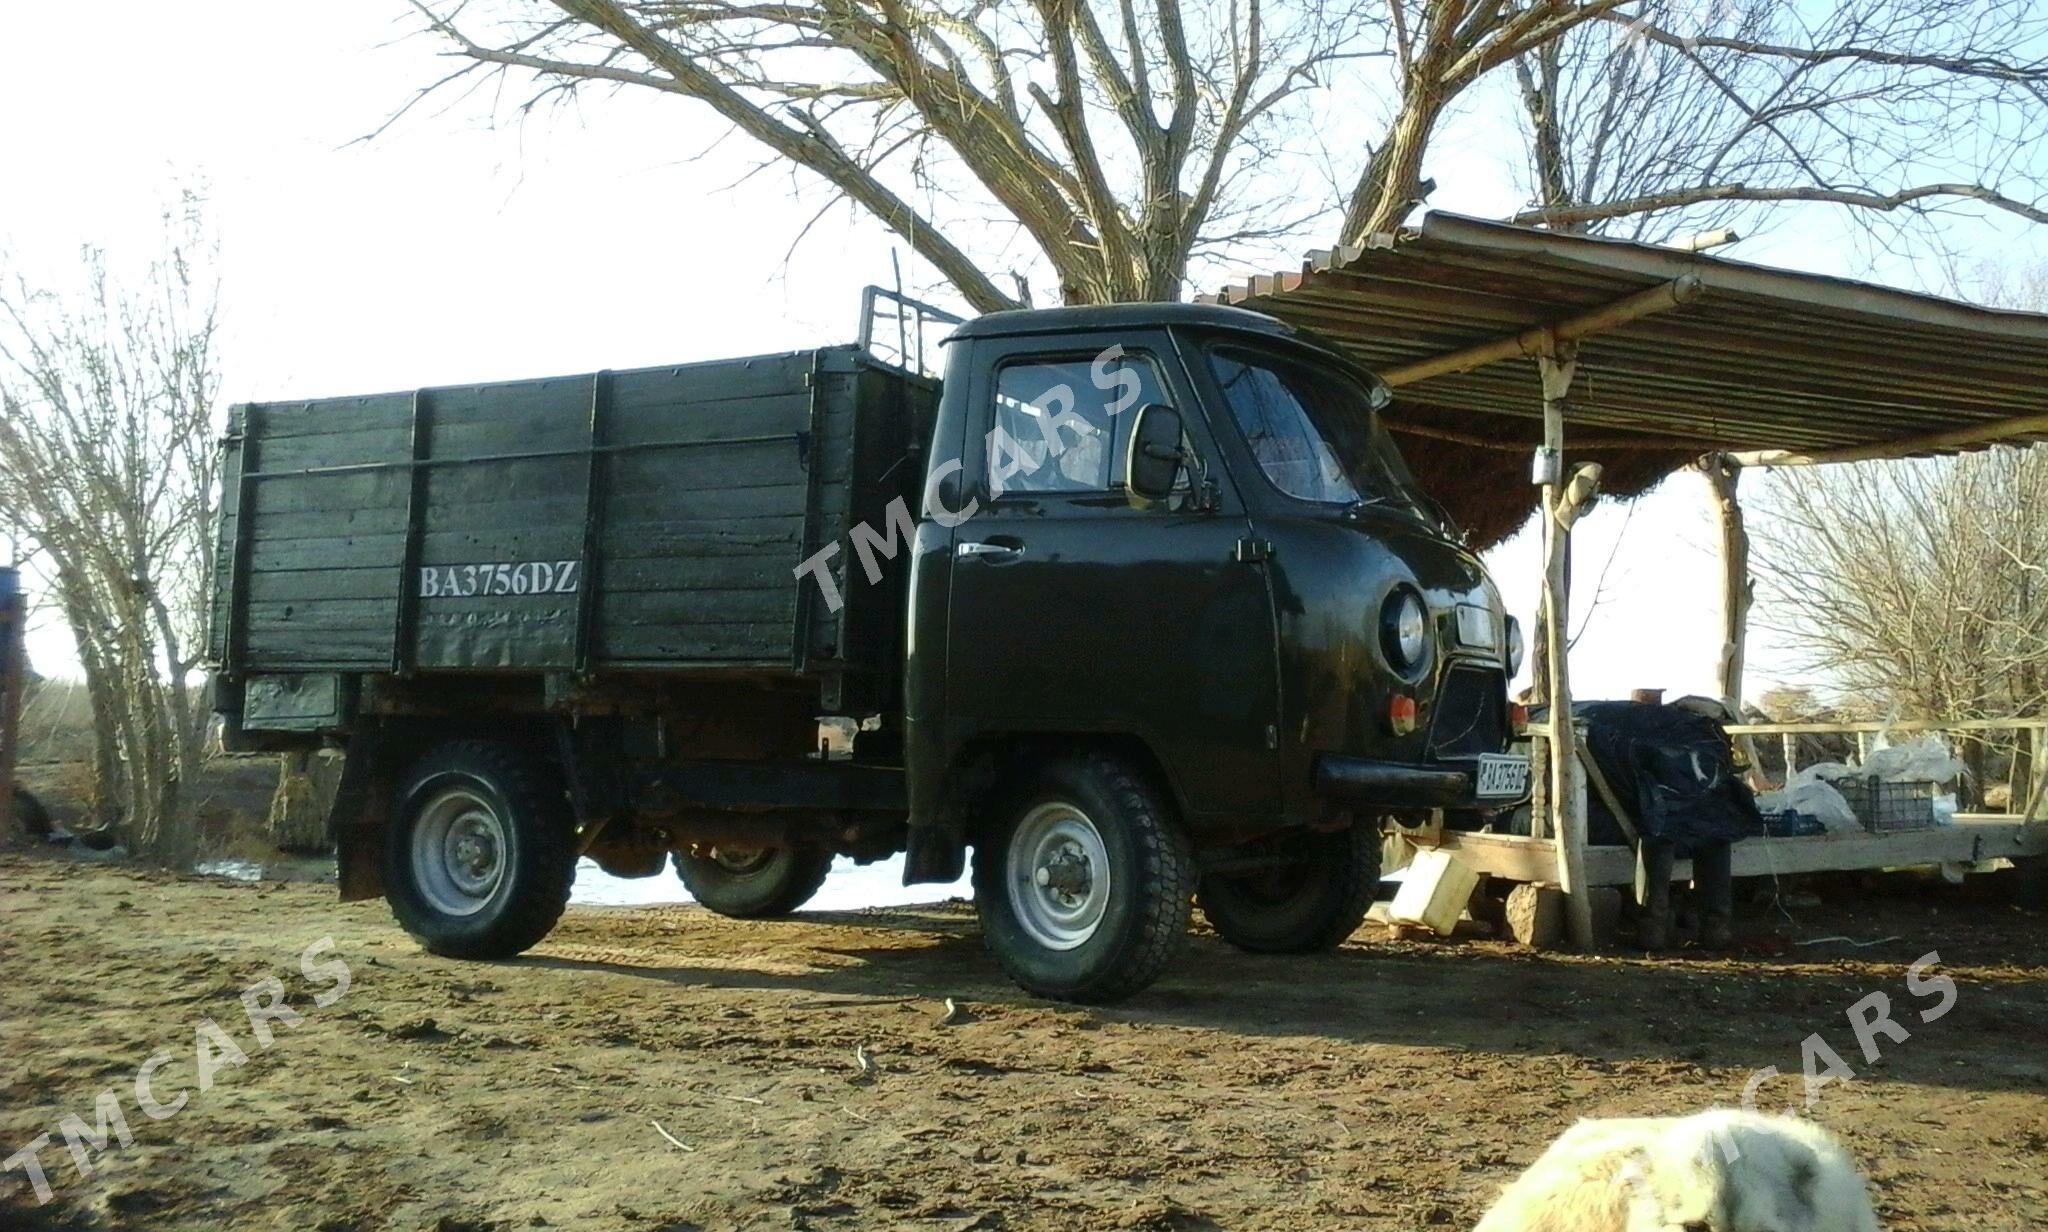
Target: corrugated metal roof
(1756, 359)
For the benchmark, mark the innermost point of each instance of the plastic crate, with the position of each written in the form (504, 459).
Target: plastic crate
(1884, 807)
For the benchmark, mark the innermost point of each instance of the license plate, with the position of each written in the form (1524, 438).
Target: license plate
(1502, 776)
(1475, 627)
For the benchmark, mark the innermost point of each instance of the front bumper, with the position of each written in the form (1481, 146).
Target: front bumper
(1387, 784)
(1360, 782)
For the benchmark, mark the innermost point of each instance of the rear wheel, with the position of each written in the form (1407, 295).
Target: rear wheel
(1084, 883)
(753, 883)
(1313, 897)
(480, 858)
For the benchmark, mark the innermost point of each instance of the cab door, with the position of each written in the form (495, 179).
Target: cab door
(1075, 607)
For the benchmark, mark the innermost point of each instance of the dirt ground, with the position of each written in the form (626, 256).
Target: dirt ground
(662, 1068)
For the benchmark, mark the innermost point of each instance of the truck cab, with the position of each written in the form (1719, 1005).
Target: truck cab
(1177, 539)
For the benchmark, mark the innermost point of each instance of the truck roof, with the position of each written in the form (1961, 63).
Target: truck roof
(1122, 316)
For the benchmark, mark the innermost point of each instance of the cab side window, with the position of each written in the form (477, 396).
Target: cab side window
(1060, 423)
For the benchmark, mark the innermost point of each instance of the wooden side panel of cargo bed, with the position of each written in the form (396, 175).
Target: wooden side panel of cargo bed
(705, 483)
(647, 518)
(317, 518)
(500, 551)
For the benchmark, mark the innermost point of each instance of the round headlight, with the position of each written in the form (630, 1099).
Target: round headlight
(1404, 625)
(1515, 647)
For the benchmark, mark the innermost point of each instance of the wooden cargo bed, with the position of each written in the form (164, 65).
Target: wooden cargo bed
(649, 519)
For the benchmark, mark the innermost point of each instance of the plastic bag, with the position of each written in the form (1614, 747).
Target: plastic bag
(1922, 759)
(1809, 792)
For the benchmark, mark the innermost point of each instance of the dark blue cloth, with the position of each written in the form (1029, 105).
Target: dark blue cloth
(1673, 770)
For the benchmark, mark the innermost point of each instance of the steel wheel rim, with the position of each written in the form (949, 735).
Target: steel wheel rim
(460, 852)
(1058, 876)
(742, 861)
(1272, 888)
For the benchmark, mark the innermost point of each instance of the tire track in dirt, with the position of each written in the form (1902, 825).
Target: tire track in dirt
(1384, 1086)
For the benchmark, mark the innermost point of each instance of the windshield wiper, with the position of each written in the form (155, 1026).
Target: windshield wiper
(1434, 507)
(1443, 515)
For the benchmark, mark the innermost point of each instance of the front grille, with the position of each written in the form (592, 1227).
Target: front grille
(1471, 715)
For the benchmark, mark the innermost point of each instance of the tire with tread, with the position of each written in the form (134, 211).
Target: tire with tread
(1305, 908)
(1151, 882)
(539, 857)
(784, 880)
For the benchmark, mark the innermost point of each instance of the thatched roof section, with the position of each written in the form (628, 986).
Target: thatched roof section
(1742, 358)
(1487, 490)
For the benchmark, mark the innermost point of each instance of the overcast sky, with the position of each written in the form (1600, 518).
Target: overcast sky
(448, 251)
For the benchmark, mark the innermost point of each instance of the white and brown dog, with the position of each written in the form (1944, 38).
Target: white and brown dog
(1718, 1171)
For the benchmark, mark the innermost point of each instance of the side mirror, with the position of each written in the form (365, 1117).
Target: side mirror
(1153, 463)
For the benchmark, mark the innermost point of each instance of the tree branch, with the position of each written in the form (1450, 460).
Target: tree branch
(1971, 66)
(802, 146)
(1681, 197)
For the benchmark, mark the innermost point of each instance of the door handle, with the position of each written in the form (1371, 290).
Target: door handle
(992, 551)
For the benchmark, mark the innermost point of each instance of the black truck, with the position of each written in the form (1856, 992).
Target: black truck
(1139, 604)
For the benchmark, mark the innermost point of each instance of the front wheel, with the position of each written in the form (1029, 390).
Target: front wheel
(1084, 883)
(480, 857)
(753, 883)
(1312, 894)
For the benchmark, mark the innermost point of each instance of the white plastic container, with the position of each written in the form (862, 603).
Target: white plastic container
(1434, 892)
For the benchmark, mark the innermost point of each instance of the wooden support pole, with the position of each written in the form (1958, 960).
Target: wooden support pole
(1562, 501)
(1738, 592)
(2037, 772)
(1935, 442)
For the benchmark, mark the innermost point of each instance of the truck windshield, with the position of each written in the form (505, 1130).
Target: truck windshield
(1314, 433)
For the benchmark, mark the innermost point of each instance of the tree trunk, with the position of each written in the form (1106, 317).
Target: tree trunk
(1391, 186)
(109, 780)
(306, 783)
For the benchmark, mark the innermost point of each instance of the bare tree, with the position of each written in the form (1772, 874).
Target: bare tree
(1124, 140)
(1916, 588)
(108, 463)
(1115, 140)
(1918, 584)
(1672, 115)
(1442, 49)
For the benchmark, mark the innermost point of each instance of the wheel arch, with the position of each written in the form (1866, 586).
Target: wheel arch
(985, 766)
(1098, 810)
(376, 758)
